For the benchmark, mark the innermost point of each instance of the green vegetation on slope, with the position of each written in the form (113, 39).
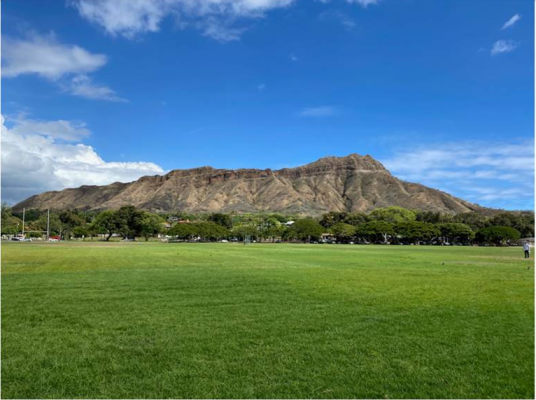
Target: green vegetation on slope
(150, 320)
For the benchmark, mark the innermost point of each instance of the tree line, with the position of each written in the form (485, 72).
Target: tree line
(390, 225)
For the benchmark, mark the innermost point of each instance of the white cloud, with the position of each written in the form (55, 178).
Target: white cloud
(64, 130)
(261, 87)
(511, 21)
(335, 15)
(293, 57)
(130, 18)
(503, 46)
(500, 175)
(82, 85)
(33, 161)
(363, 3)
(66, 65)
(323, 111)
(44, 56)
(220, 31)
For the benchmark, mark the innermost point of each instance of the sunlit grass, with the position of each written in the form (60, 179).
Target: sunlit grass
(150, 320)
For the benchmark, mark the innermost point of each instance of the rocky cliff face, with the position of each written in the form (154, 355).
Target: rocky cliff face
(352, 183)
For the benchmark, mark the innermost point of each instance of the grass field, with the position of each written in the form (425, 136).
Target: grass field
(139, 320)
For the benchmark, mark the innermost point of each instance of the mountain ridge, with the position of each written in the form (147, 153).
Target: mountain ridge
(352, 183)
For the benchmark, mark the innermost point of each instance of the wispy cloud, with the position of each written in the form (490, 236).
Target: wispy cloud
(338, 16)
(35, 158)
(219, 30)
(261, 87)
(83, 86)
(214, 18)
(476, 171)
(322, 111)
(503, 46)
(293, 57)
(65, 65)
(363, 3)
(511, 21)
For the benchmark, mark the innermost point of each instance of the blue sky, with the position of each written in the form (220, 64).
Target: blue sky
(441, 92)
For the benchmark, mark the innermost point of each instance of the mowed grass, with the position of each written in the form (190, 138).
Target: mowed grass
(139, 320)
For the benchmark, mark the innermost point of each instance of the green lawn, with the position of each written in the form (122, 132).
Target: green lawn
(151, 320)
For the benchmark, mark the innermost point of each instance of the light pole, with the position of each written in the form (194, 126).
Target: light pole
(48, 224)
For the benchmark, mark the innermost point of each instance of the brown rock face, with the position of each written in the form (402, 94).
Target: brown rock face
(352, 183)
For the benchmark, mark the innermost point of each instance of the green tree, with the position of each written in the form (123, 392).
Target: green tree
(333, 217)
(183, 231)
(108, 222)
(129, 221)
(69, 221)
(393, 215)
(456, 232)
(433, 217)
(241, 231)
(11, 225)
(221, 219)
(343, 232)
(475, 220)
(81, 231)
(211, 231)
(306, 229)
(523, 222)
(273, 232)
(56, 226)
(151, 224)
(356, 219)
(376, 231)
(498, 235)
(414, 231)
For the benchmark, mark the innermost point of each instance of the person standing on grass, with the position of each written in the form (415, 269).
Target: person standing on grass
(526, 247)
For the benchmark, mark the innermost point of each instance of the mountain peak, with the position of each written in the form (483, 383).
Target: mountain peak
(352, 161)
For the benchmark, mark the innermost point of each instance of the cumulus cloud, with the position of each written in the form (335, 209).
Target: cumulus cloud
(35, 158)
(499, 175)
(322, 111)
(45, 56)
(66, 65)
(503, 46)
(511, 21)
(214, 18)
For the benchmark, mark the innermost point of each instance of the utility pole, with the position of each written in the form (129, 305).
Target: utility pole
(23, 217)
(48, 224)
